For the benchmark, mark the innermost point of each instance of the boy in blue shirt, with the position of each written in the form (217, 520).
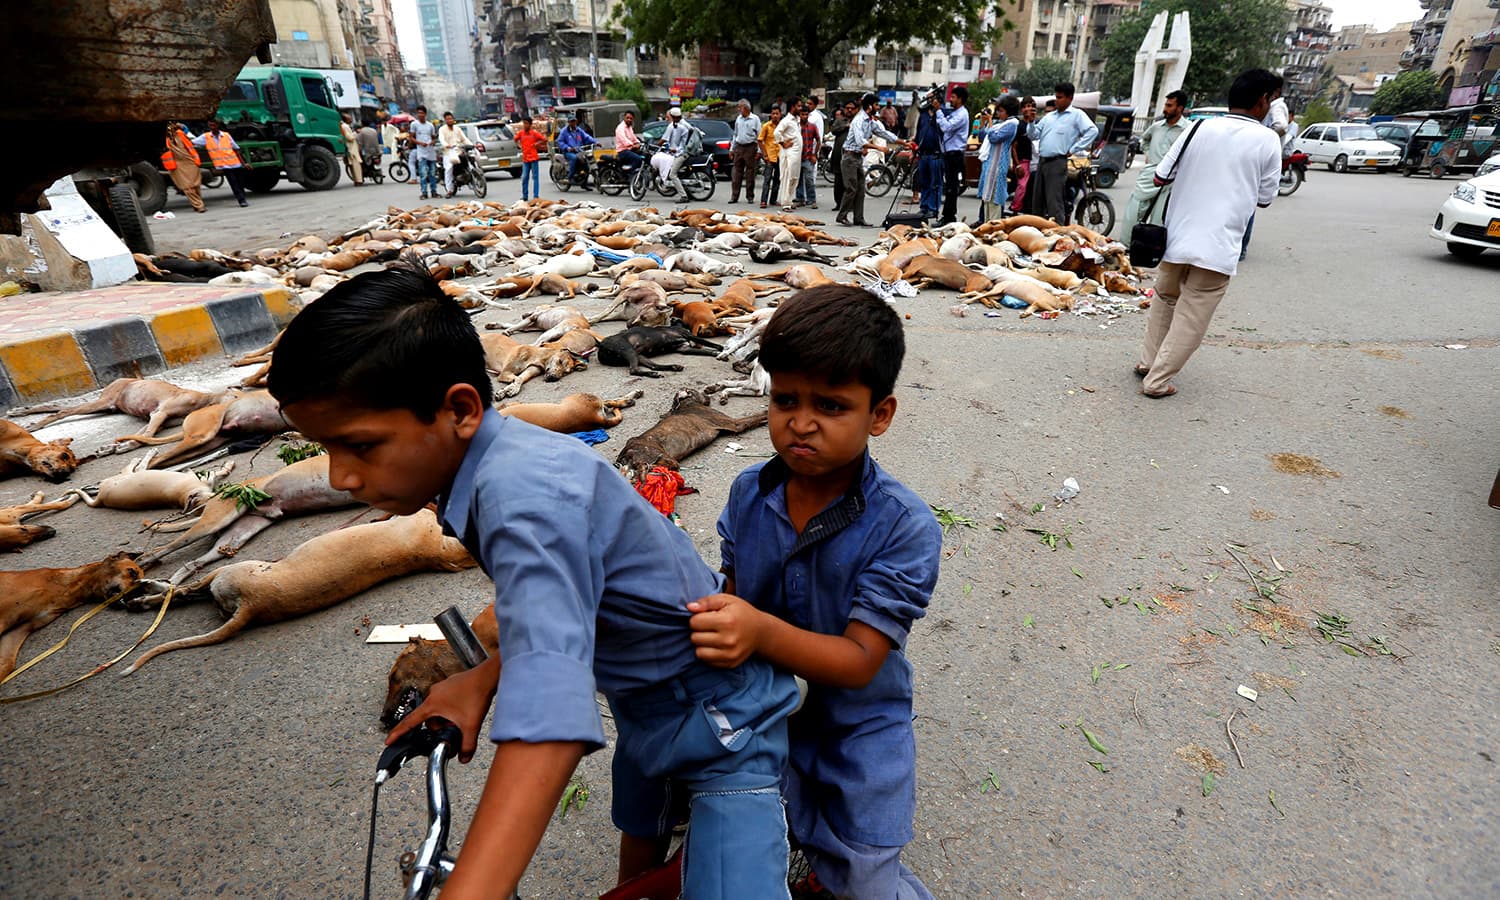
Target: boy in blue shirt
(834, 559)
(591, 588)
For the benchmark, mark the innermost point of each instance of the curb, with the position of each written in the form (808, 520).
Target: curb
(75, 360)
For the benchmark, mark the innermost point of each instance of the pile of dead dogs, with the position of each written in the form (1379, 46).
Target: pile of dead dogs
(673, 279)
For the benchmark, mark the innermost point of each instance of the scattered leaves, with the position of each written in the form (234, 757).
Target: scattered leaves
(244, 494)
(1052, 538)
(1092, 739)
(575, 797)
(296, 451)
(951, 520)
(1098, 765)
(989, 783)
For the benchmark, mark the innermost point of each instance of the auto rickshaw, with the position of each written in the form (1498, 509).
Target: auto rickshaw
(1450, 141)
(1112, 151)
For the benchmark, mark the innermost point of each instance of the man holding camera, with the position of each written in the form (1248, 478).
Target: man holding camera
(953, 119)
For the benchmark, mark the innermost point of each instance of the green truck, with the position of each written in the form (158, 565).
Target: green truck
(286, 122)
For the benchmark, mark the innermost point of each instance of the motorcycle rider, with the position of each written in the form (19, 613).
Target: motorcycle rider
(571, 141)
(627, 145)
(669, 160)
(453, 141)
(1155, 143)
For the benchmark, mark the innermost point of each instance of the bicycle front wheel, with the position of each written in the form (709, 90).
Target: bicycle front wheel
(639, 182)
(400, 172)
(878, 181)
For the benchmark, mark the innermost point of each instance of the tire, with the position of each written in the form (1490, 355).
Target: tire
(1106, 178)
(399, 171)
(1437, 171)
(150, 188)
(130, 222)
(828, 169)
(262, 181)
(1408, 171)
(211, 179)
(320, 168)
(558, 172)
(1340, 163)
(1095, 211)
(639, 182)
(1464, 251)
(878, 181)
(698, 185)
(1290, 181)
(611, 180)
(479, 182)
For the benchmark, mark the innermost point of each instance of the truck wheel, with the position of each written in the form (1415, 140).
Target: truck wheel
(320, 168)
(150, 188)
(130, 222)
(263, 181)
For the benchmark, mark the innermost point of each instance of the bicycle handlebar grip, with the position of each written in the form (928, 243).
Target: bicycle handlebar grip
(461, 637)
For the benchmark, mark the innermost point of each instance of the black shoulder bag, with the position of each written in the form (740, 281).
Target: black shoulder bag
(1148, 242)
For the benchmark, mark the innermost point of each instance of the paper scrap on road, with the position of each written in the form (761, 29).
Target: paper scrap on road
(1249, 693)
(400, 634)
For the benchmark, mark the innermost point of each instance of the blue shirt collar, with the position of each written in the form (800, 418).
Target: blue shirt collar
(454, 504)
(837, 516)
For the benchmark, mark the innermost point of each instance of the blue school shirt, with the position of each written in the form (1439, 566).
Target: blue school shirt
(871, 557)
(591, 582)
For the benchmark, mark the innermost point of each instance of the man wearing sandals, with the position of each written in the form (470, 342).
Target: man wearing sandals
(1218, 180)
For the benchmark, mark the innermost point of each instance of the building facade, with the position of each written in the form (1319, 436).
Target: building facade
(1309, 40)
(1478, 75)
(1440, 40)
(310, 34)
(1072, 30)
(448, 28)
(1360, 51)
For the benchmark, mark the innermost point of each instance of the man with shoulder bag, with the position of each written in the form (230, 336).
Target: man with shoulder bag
(1219, 178)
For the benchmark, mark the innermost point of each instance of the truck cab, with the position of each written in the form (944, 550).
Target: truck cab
(285, 121)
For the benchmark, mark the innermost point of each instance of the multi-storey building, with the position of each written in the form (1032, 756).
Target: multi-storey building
(384, 68)
(1360, 51)
(1309, 39)
(1440, 40)
(310, 33)
(1071, 30)
(1478, 78)
(447, 27)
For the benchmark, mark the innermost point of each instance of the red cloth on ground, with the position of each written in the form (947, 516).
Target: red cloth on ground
(661, 487)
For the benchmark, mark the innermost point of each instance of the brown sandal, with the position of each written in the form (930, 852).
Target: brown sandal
(1141, 371)
(1166, 393)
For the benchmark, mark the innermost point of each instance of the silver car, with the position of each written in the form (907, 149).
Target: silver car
(497, 146)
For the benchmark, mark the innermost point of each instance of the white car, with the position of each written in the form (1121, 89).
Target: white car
(1342, 147)
(1469, 221)
(1490, 165)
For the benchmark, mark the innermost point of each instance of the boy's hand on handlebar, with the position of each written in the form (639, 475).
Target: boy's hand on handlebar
(462, 699)
(726, 629)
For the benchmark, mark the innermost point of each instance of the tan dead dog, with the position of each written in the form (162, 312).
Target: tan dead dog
(803, 275)
(20, 452)
(740, 296)
(213, 426)
(701, 318)
(138, 486)
(15, 533)
(575, 412)
(296, 490)
(145, 398)
(928, 270)
(30, 599)
(514, 363)
(638, 303)
(261, 358)
(322, 572)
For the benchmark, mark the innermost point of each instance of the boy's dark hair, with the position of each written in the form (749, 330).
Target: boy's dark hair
(382, 340)
(1011, 105)
(1181, 97)
(1251, 86)
(1065, 88)
(839, 332)
(962, 93)
(421, 109)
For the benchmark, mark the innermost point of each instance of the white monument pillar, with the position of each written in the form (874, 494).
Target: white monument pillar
(1173, 59)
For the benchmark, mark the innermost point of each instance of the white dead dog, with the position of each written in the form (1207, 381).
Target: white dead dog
(701, 263)
(138, 486)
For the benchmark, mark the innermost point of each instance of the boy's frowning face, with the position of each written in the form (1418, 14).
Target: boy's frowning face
(817, 427)
(388, 458)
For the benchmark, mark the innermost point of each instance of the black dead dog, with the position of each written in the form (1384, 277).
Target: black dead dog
(631, 346)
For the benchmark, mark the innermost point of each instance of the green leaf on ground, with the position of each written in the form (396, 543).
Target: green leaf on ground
(1098, 765)
(1274, 805)
(1028, 622)
(1075, 571)
(1208, 783)
(951, 520)
(1093, 740)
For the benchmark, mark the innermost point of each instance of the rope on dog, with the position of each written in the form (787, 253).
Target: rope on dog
(161, 613)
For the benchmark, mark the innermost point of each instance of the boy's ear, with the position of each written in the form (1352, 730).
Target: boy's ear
(884, 412)
(463, 401)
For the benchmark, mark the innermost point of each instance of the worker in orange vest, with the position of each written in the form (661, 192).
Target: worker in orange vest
(181, 162)
(224, 154)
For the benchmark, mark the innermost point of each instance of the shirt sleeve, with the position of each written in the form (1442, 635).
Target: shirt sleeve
(954, 123)
(200, 140)
(894, 589)
(1002, 132)
(1086, 137)
(1270, 173)
(547, 591)
(725, 528)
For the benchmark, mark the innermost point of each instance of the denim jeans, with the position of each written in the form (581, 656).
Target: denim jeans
(718, 739)
(807, 188)
(771, 183)
(427, 176)
(530, 176)
(930, 175)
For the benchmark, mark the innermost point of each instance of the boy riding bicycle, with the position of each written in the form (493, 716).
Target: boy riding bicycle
(834, 559)
(591, 585)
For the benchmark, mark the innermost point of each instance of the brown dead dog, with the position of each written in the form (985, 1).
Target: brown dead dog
(261, 358)
(575, 412)
(803, 275)
(151, 399)
(677, 282)
(15, 533)
(138, 486)
(230, 522)
(740, 296)
(552, 283)
(31, 598)
(688, 427)
(700, 318)
(213, 426)
(901, 254)
(423, 663)
(514, 363)
(638, 303)
(324, 571)
(925, 270)
(20, 452)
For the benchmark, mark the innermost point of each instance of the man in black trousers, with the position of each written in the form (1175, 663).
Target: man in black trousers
(953, 119)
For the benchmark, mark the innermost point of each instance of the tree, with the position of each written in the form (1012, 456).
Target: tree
(813, 32)
(1417, 89)
(1042, 76)
(1316, 111)
(629, 89)
(981, 93)
(1229, 36)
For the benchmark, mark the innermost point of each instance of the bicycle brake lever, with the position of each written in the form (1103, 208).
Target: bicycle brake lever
(420, 741)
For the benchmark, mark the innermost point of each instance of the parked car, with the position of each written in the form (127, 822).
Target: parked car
(1469, 222)
(497, 146)
(717, 136)
(1490, 165)
(1342, 146)
(1398, 133)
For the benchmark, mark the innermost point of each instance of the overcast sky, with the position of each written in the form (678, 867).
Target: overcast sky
(1380, 13)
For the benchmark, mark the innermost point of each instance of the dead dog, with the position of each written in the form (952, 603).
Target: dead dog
(630, 347)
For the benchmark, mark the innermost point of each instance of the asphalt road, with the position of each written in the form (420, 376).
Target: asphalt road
(244, 769)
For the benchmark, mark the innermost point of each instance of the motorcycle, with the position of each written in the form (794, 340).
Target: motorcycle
(613, 177)
(371, 163)
(470, 171)
(400, 167)
(697, 177)
(1293, 173)
(559, 170)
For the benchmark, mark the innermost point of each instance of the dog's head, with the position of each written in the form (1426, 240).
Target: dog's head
(121, 574)
(421, 664)
(14, 537)
(562, 363)
(53, 461)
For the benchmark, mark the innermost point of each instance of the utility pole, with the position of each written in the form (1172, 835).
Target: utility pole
(594, 40)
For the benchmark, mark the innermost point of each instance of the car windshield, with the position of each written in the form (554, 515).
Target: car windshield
(1360, 133)
(493, 133)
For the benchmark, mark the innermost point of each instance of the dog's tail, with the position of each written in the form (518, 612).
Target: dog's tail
(237, 623)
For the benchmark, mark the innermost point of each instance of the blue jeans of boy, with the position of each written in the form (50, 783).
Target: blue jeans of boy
(714, 741)
(807, 188)
(427, 177)
(530, 175)
(930, 177)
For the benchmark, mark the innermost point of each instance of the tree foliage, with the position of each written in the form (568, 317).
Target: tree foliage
(1042, 76)
(1229, 36)
(629, 89)
(1316, 111)
(812, 31)
(1417, 89)
(982, 92)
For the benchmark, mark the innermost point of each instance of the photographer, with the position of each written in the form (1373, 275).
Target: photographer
(929, 154)
(954, 121)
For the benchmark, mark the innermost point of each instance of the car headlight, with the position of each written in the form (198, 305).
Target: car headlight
(1464, 192)
(1488, 166)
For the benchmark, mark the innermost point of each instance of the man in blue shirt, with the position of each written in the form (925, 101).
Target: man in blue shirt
(591, 588)
(953, 119)
(1061, 133)
(852, 160)
(571, 140)
(930, 159)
